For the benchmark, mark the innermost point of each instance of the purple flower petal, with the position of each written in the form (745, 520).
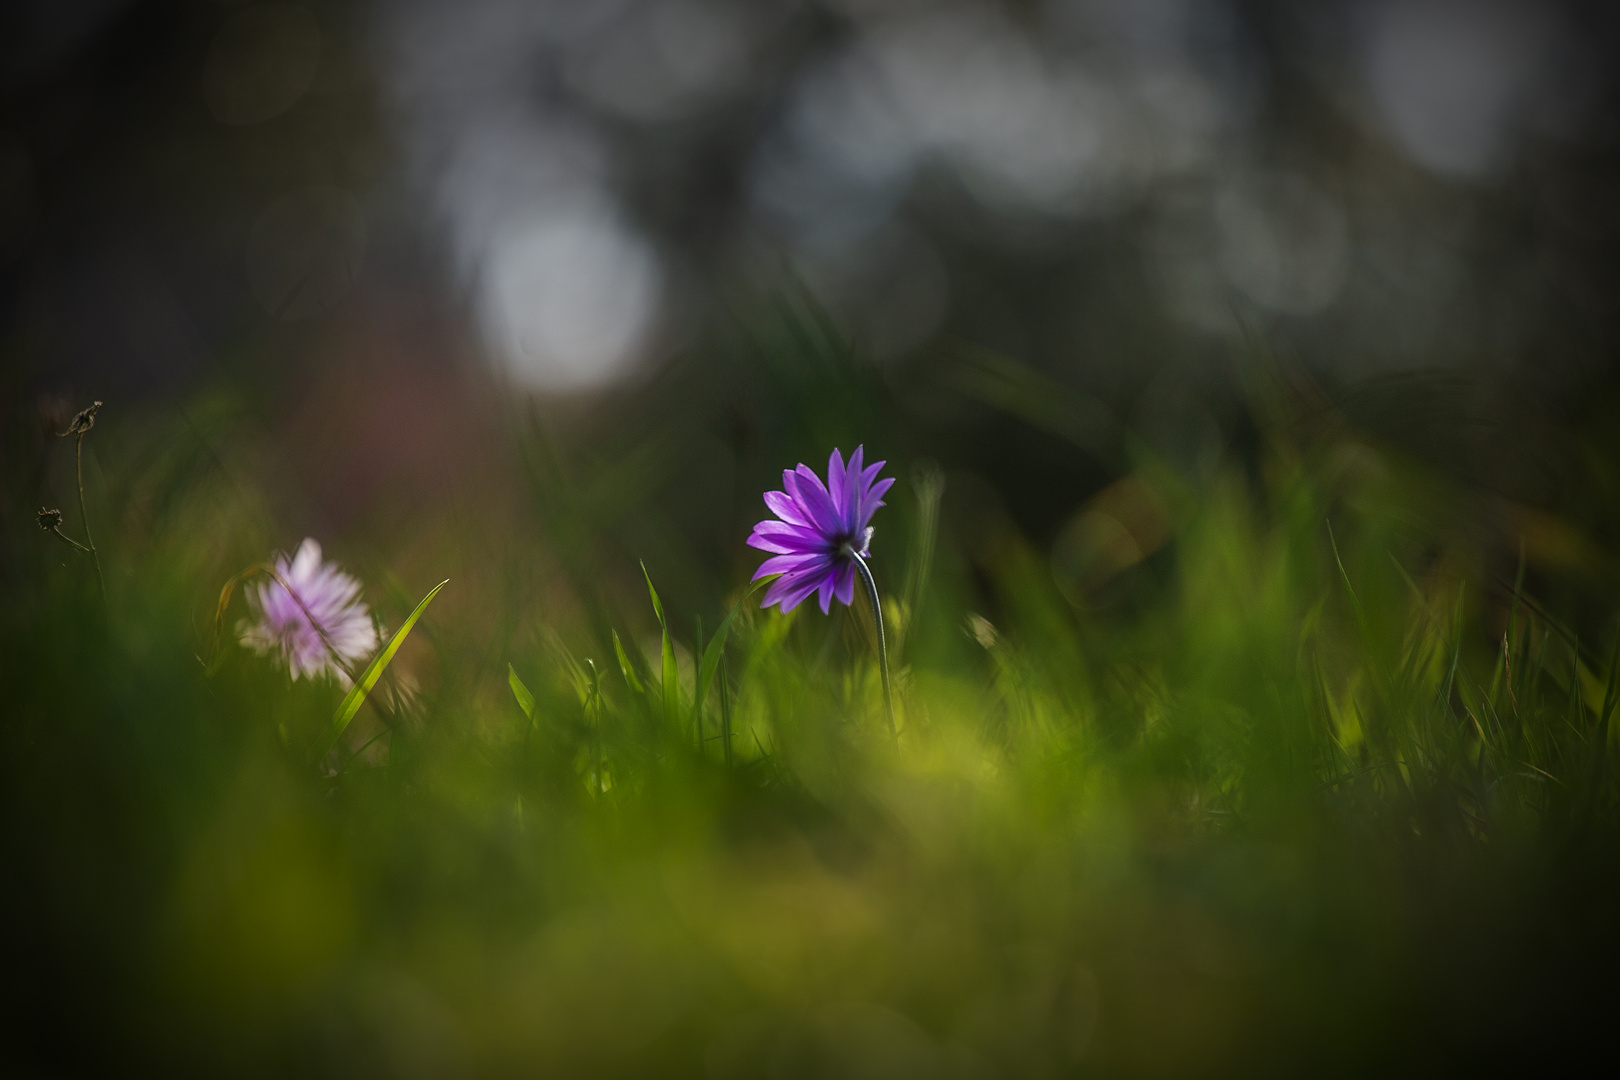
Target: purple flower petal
(835, 484)
(318, 627)
(844, 584)
(813, 521)
(783, 506)
(305, 564)
(873, 499)
(787, 564)
(853, 486)
(783, 539)
(797, 597)
(789, 590)
(870, 473)
(812, 496)
(826, 590)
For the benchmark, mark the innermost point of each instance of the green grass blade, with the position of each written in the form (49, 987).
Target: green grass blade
(725, 712)
(928, 485)
(1344, 575)
(357, 694)
(658, 605)
(670, 676)
(594, 701)
(697, 702)
(717, 647)
(626, 668)
(525, 699)
(1609, 699)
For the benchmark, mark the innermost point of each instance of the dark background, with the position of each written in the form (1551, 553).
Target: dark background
(379, 229)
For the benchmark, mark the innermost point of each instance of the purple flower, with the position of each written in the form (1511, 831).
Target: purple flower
(323, 615)
(815, 522)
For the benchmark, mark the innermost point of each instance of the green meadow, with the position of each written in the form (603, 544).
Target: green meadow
(1289, 754)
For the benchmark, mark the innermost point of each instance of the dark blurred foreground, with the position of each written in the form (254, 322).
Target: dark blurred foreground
(1299, 761)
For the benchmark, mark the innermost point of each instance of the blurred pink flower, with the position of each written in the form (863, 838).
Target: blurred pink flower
(320, 627)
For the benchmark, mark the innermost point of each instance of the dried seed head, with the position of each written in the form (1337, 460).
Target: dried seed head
(83, 420)
(50, 520)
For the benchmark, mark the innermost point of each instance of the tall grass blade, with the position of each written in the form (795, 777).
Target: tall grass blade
(362, 686)
(929, 485)
(697, 702)
(1609, 697)
(725, 711)
(525, 699)
(1344, 575)
(626, 668)
(670, 675)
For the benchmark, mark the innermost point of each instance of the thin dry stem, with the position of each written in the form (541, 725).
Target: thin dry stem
(84, 516)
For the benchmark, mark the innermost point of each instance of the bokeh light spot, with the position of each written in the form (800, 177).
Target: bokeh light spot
(260, 64)
(568, 296)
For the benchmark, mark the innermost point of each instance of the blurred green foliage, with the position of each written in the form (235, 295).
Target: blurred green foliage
(1278, 762)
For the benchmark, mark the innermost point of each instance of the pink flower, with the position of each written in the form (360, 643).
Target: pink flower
(320, 627)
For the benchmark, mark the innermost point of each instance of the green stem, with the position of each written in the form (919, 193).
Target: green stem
(350, 759)
(877, 622)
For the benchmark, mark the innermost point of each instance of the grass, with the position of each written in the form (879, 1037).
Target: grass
(1289, 762)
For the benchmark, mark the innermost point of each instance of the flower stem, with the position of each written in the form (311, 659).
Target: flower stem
(68, 540)
(877, 621)
(84, 515)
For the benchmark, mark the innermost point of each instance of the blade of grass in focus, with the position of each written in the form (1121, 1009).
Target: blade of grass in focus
(626, 668)
(521, 692)
(357, 693)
